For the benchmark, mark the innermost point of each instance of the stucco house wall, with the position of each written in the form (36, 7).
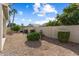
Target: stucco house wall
(3, 18)
(1, 26)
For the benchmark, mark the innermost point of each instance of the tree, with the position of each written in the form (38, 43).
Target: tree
(70, 15)
(15, 27)
(13, 13)
(72, 7)
(22, 27)
(53, 23)
(49, 23)
(10, 13)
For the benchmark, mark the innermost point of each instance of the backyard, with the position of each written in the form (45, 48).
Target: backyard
(17, 44)
(39, 29)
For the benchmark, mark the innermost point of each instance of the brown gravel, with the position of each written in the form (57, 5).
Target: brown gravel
(17, 45)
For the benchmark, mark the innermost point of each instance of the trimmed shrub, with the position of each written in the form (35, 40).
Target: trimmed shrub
(16, 28)
(63, 36)
(34, 36)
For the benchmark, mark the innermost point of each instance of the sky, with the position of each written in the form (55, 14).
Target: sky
(37, 13)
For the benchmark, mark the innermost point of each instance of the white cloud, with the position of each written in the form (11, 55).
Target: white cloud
(36, 8)
(27, 20)
(20, 12)
(37, 5)
(48, 9)
(40, 14)
(30, 20)
(42, 9)
(40, 22)
(44, 21)
(23, 19)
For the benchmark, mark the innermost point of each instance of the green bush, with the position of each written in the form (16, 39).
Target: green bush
(34, 36)
(63, 36)
(16, 28)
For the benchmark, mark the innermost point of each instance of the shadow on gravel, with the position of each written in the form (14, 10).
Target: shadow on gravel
(70, 45)
(33, 44)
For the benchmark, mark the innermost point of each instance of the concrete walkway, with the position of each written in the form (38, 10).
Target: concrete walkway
(17, 45)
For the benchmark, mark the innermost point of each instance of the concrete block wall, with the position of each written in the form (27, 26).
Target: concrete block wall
(52, 31)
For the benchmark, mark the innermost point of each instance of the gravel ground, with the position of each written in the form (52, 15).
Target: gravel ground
(17, 45)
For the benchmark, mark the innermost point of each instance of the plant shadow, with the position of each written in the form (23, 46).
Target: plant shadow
(70, 45)
(33, 44)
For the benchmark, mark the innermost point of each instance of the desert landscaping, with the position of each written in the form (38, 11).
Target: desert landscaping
(39, 29)
(17, 45)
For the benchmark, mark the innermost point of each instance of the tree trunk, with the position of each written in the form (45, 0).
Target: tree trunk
(13, 20)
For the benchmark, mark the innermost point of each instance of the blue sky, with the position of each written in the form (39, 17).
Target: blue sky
(37, 13)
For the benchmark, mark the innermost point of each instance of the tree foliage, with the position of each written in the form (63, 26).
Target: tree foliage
(53, 23)
(15, 27)
(12, 12)
(70, 15)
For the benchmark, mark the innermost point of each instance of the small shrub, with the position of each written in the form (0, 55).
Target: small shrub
(63, 36)
(16, 28)
(34, 36)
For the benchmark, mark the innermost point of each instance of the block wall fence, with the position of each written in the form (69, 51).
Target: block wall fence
(52, 31)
